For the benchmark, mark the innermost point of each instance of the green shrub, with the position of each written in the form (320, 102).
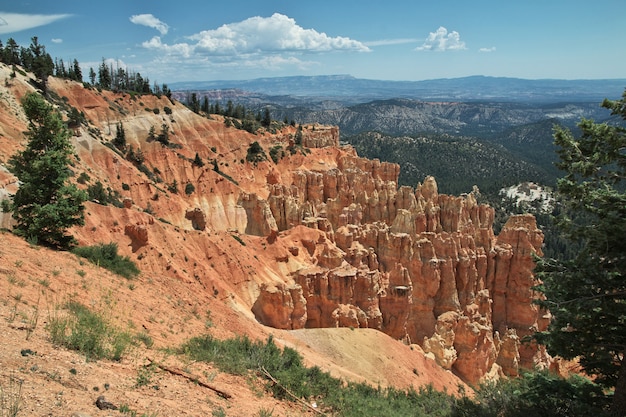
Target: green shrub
(83, 178)
(537, 394)
(238, 239)
(88, 332)
(105, 255)
(532, 394)
(173, 187)
(240, 355)
(189, 188)
(277, 153)
(144, 338)
(96, 192)
(255, 153)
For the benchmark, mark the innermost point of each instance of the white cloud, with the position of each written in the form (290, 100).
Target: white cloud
(271, 43)
(269, 34)
(15, 22)
(56, 40)
(492, 49)
(259, 35)
(386, 42)
(442, 40)
(182, 49)
(150, 21)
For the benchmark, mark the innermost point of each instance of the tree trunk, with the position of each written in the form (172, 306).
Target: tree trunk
(618, 407)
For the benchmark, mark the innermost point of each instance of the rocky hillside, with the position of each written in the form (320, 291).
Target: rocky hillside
(321, 239)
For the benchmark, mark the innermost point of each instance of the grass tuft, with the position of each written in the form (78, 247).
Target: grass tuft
(105, 255)
(89, 333)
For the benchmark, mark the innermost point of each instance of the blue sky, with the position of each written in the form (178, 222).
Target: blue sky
(178, 40)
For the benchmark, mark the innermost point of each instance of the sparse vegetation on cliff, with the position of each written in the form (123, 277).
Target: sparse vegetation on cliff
(106, 256)
(89, 333)
(256, 153)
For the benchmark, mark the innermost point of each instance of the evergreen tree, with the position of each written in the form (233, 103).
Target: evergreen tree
(164, 137)
(194, 103)
(45, 205)
(267, 118)
(104, 76)
(92, 76)
(587, 295)
(298, 138)
(120, 137)
(59, 68)
(42, 64)
(11, 52)
(77, 73)
(75, 118)
(197, 161)
(230, 108)
(166, 91)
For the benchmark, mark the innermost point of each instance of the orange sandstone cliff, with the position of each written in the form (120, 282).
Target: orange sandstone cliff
(321, 239)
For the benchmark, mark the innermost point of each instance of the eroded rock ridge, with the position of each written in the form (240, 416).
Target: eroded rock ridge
(418, 265)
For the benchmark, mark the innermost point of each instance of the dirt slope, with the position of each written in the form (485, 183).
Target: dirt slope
(35, 283)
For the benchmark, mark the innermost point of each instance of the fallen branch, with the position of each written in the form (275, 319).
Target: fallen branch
(190, 377)
(292, 395)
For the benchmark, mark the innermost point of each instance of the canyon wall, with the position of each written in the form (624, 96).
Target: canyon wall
(418, 265)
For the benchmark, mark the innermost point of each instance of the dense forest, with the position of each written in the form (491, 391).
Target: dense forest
(457, 162)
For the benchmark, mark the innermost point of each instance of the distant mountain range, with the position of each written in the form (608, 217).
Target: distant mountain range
(348, 89)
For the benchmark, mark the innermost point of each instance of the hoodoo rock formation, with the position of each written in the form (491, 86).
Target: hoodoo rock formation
(422, 267)
(318, 238)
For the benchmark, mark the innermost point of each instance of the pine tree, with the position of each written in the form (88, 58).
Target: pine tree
(267, 118)
(120, 137)
(42, 64)
(197, 161)
(45, 205)
(587, 295)
(104, 76)
(77, 73)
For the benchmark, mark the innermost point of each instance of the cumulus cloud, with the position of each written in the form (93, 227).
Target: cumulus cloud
(442, 40)
(182, 49)
(57, 40)
(272, 43)
(150, 21)
(259, 35)
(15, 22)
(492, 49)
